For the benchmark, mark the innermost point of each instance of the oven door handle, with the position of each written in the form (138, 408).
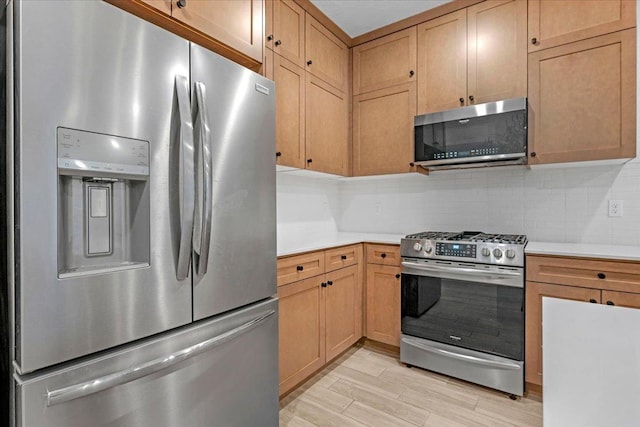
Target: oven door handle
(460, 270)
(464, 357)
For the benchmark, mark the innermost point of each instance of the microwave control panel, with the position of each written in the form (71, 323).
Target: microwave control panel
(465, 250)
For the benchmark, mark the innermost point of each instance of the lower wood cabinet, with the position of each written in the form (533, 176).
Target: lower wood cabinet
(301, 331)
(383, 304)
(343, 310)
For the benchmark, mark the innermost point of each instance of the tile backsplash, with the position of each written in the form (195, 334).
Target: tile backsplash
(559, 204)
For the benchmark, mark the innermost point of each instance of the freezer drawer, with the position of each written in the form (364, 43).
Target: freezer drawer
(223, 372)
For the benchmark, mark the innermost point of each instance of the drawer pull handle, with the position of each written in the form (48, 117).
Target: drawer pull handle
(593, 301)
(324, 285)
(330, 282)
(610, 303)
(397, 276)
(383, 255)
(343, 257)
(299, 267)
(601, 276)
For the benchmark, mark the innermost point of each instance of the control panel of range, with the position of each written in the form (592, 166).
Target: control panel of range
(465, 250)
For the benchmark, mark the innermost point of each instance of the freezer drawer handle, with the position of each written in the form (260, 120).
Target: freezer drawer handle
(87, 388)
(186, 178)
(204, 191)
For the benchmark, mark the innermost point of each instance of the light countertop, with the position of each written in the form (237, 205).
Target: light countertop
(584, 250)
(293, 244)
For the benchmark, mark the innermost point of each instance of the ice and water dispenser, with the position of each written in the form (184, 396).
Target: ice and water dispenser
(103, 203)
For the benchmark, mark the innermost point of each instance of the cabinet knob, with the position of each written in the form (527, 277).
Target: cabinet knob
(398, 276)
(299, 267)
(534, 41)
(593, 301)
(533, 154)
(330, 282)
(309, 160)
(383, 255)
(461, 101)
(270, 37)
(278, 42)
(181, 3)
(412, 164)
(602, 276)
(278, 154)
(471, 98)
(343, 257)
(610, 303)
(324, 285)
(411, 73)
(309, 62)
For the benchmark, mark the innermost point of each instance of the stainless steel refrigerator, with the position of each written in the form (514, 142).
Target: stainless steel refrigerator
(140, 193)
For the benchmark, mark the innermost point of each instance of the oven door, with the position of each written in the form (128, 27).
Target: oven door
(473, 306)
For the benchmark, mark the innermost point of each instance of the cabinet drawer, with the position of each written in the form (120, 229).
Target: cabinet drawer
(342, 257)
(292, 269)
(383, 254)
(598, 274)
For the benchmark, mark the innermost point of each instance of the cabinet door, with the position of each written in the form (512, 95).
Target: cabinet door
(497, 51)
(533, 329)
(383, 303)
(327, 57)
(556, 22)
(288, 31)
(621, 299)
(236, 23)
(290, 117)
(383, 130)
(326, 128)
(343, 310)
(442, 63)
(385, 62)
(163, 6)
(592, 115)
(301, 331)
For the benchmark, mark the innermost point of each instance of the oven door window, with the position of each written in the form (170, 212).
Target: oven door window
(478, 316)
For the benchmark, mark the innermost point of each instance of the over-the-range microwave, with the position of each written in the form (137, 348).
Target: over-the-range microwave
(488, 134)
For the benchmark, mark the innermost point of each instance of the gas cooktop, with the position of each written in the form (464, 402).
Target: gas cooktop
(472, 246)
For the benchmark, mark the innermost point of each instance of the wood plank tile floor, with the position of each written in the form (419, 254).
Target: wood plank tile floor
(367, 387)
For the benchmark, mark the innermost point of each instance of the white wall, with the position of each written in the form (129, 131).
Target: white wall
(560, 204)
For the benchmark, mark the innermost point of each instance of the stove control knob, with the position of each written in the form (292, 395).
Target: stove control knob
(511, 253)
(497, 253)
(417, 247)
(427, 247)
(486, 252)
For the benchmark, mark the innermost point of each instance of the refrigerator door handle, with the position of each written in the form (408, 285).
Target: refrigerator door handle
(204, 184)
(186, 177)
(96, 385)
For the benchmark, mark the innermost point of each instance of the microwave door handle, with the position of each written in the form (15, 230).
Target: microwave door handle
(87, 388)
(186, 178)
(460, 270)
(204, 183)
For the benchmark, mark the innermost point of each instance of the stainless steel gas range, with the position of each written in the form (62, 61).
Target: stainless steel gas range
(463, 306)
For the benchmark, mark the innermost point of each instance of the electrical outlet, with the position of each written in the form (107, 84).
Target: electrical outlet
(377, 208)
(616, 207)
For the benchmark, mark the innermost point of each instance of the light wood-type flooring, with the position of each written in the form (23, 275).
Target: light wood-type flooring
(367, 387)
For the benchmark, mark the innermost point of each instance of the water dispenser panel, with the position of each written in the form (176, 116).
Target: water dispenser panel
(94, 154)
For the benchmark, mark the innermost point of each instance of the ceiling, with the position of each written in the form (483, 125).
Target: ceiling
(357, 17)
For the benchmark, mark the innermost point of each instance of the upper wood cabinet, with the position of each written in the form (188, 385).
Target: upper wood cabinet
(290, 116)
(236, 23)
(582, 100)
(383, 130)
(385, 62)
(163, 6)
(327, 57)
(556, 22)
(442, 63)
(285, 30)
(473, 56)
(326, 127)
